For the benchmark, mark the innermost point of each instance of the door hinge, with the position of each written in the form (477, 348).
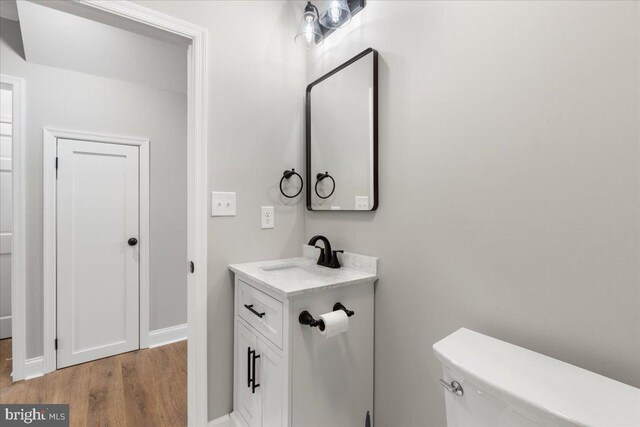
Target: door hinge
(192, 266)
(55, 344)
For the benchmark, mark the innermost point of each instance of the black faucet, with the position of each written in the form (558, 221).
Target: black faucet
(328, 258)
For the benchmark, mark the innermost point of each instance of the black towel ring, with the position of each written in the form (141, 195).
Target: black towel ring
(319, 178)
(286, 175)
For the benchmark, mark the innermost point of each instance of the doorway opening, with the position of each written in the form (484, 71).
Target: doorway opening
(194, 267)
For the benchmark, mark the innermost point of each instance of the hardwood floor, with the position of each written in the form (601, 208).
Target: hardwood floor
(141, 388)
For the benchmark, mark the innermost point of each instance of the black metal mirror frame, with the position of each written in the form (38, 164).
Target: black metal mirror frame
(374, 124)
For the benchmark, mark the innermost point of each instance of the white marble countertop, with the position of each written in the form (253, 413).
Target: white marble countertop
(300, 276)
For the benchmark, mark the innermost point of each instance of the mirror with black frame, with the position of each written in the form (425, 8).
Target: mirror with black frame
(342, 137)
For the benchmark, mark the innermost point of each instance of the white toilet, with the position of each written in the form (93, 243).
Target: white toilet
(492, 383)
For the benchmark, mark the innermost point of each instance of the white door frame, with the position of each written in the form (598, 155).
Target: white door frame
(50, 141)
(197, 116)
(18, 255)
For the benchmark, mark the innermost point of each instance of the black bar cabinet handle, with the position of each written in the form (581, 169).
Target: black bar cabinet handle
(254, 386)
(251, 309)
(249, 366)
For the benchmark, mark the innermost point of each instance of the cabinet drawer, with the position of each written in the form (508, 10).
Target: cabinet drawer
(261, 311)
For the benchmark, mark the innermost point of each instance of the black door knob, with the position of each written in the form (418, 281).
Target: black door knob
(132, 241)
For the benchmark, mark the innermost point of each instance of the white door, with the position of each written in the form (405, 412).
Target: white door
(269, 374)
(246, 348)
(97, 262)
(6, 210)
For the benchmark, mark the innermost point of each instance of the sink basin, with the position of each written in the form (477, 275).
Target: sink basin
(297, 272)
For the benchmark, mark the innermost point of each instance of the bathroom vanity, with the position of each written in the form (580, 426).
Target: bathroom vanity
(287, 373)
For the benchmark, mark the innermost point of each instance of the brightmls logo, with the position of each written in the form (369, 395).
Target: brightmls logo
(26, 416)
(34, 415)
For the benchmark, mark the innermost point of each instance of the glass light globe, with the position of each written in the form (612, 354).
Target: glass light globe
(309, 34)
(335, 14)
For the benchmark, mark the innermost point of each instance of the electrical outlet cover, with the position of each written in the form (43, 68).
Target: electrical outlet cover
(268, 217)
(362, 203)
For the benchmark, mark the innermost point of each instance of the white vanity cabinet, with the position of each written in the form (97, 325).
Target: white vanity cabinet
(259, 379)
(258, 361)
(287, 374)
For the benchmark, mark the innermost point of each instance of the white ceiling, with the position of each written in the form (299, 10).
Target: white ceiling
(84, 11)
(59, 39)
(9, 9)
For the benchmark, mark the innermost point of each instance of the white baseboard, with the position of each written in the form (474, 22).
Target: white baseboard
(222, 421)
(167, 335)
(34, 368)
(229, 420)
(236, 420)
(5, 327)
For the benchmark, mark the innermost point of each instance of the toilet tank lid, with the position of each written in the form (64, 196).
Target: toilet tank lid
(526, 378)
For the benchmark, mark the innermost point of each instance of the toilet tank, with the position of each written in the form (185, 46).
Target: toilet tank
(504, 385)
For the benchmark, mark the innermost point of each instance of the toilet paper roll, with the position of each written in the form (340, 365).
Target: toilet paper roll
(335, 323)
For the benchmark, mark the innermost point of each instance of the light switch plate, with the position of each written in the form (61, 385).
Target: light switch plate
(268, 217)
(223, 203)
(362, 203)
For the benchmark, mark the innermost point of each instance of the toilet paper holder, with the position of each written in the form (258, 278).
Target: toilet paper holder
(338, 306)
(305, 318)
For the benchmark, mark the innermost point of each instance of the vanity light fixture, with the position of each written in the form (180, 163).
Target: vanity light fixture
(336, 15)
(309, 34)
(317, 25)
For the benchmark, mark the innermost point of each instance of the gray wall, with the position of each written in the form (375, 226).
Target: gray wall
(70, 100)
(509, 178)
(509, 190)
(256, 89)
(509, 186)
